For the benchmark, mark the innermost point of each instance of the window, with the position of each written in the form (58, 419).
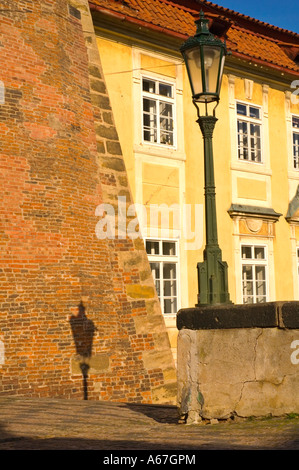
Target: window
(158, 111)
(295, 126)
(163, 259)
(254, 274)
(249, 133)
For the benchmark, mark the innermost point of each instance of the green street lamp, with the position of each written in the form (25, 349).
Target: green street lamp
(204, 56)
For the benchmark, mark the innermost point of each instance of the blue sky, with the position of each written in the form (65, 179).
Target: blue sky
(282, 14)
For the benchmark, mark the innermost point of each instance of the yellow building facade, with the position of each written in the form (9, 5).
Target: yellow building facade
(256, 158)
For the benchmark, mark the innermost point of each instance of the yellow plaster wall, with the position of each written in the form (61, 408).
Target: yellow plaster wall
(156, 65)
(252, 189)
(160, 185)
(280, 194)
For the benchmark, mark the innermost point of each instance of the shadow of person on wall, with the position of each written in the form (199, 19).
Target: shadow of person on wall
(83, 331)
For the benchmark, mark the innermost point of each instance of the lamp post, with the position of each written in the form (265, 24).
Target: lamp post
(204, 56)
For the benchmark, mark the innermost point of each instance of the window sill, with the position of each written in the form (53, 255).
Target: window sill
(293, 174)
(251, 167)
(160, 151)
(170, 320)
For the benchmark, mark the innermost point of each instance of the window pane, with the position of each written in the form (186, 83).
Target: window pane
(246, 252)
(150, 135)
(248, 293)
(260, 299)
(165, 90)
(164, 272)
(166, 138)
(296, 149)
(243, 140)
(170, 288)
(169, 248)
(255, 130)
(155, 268)
(241, 109)
(166, 110)
(152, 247)
(149, 120)
(259, 252)
(260, 273)
(261, 289)
(295, 121)
(149, 106)
(254, 112)
(254, 281)
(255, 142)
(247, 273)
(149, 85)
(169, 271)
(170, 306)
(243, 131)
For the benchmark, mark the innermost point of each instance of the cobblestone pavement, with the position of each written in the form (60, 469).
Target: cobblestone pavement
(58, 424)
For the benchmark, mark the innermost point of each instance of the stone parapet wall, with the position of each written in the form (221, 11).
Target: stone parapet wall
(229, 370)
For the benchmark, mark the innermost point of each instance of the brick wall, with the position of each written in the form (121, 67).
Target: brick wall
(79, 316)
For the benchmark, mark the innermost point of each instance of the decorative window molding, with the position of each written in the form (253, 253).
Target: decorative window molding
(253, 226)
(292, 142)
(158, 112)
(248, 88)
(249, 165)
(255, 284)
(249, 132)
(265, 213)
(143, 144)
(295, 142)
(163, 256)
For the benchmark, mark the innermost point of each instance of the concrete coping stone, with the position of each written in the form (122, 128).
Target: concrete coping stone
(224, 316)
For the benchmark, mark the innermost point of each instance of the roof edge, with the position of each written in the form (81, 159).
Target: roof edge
(246, 17)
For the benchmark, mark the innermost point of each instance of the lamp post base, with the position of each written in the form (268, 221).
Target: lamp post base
(212, 278)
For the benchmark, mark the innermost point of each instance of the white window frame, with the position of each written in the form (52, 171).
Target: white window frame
(163, 259)
(295, 149)
(159, 99)
(255, 262)
(249, 120)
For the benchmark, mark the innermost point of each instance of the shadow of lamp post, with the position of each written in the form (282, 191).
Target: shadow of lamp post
(83, 331)
(204, 56)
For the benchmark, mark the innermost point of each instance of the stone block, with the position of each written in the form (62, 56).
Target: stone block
(238, 371)
(137, 291)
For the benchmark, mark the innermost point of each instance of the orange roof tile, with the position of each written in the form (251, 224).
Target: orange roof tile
(246, 36)
(256, 47)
